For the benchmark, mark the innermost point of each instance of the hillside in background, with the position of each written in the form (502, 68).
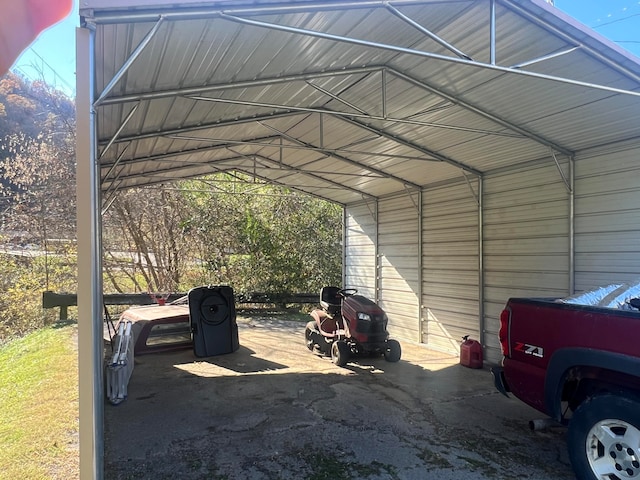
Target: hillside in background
(221, 229)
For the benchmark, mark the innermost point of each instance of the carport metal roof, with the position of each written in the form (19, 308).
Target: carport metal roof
(345, 100)
(349, 100)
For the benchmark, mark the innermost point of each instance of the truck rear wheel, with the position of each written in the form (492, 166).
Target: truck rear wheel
(604, 438)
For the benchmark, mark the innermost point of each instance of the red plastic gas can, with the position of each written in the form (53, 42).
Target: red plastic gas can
(470, 353)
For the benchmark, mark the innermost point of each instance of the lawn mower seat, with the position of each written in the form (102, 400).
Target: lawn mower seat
(330, 299)
(328, 323)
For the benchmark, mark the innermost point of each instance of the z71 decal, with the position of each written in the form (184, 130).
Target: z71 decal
(529, 349)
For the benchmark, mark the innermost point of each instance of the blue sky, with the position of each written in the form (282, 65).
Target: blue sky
(618, 20)
(53, 52)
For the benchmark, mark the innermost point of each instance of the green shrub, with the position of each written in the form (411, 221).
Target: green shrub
(22, 281)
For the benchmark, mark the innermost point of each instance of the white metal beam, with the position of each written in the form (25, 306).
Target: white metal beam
(90, 349)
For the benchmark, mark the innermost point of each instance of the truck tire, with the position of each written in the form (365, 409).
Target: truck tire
(604, 438)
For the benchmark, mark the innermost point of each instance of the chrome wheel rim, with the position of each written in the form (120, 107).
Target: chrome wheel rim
(613, 450)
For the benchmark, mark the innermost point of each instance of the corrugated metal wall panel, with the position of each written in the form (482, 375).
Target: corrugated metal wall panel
(360, 250)
(448, 279)
(526, 248)
(447, 336)
(453, 234)
(453, 303)
(611, 263)
(601, 241)
(536, 211)
(526, 245)
(534, 262)
(498, 246)
(398, 265)
(526, 240)
(608, 222)
(524, 230)
(607, 209)
(450, 266)
(396, 234)
(605, 204)
(544, 284)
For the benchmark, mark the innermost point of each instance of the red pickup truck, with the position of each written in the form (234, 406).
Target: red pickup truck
(580, 365)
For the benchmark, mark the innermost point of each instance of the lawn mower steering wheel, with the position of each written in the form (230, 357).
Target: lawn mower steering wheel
(347, 292)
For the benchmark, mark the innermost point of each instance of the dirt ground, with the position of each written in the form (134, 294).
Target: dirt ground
(275, 411)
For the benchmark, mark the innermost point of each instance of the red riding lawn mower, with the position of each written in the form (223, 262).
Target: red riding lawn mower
(349, 324)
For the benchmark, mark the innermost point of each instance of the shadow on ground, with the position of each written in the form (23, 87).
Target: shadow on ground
(274, 410)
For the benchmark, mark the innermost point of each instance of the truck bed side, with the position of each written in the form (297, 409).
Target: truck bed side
(547, 338)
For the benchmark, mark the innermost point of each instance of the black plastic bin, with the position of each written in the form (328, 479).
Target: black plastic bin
(212, 312)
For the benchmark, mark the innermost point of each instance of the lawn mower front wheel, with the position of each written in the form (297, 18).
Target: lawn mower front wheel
(339, 353)
(393, 352)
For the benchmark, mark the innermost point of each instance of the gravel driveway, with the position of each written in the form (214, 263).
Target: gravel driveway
(273, 410)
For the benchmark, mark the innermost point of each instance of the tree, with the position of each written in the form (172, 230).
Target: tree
(144, 245)
(37, 205)
(266, 238)
(222, 229)
(38, 161)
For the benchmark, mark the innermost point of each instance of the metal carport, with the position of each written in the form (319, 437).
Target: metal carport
(479, 147)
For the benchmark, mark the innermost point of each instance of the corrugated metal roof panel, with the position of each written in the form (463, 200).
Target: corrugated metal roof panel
(345, 99)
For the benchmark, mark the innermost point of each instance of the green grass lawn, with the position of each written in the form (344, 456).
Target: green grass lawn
(39, 405)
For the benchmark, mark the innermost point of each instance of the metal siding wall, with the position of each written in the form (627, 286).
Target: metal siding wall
(607, 221)
(360, 250)
(526, 241)
(399, 264)
(450, 289)
(526, 244)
